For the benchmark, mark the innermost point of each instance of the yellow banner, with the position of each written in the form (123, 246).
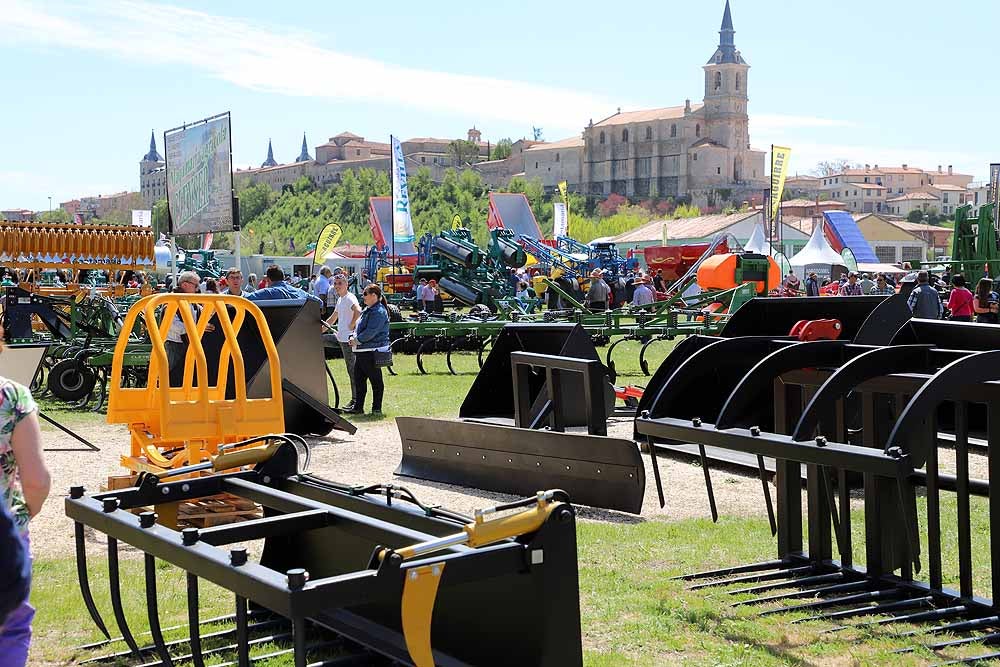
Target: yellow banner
(326, 242)
(565, 197)
(456, 222)
(780, 156)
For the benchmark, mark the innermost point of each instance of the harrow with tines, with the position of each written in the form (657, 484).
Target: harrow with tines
(850, 415)
(367, 569)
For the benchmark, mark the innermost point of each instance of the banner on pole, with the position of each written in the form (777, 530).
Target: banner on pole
(780, 156)
(200, 176)
(993, 193)
(402, 225)
(560, 219)
(326, 242)
(563, 192)
(142, 218)
(456, 222)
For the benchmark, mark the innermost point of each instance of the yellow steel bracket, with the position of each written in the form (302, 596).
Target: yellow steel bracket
(419, 594)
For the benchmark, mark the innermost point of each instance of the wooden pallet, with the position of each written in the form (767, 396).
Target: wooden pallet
(202, 513)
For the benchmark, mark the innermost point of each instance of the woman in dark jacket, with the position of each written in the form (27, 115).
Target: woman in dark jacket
(370, 336)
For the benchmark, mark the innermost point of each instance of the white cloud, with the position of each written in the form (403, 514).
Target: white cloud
(285, 62)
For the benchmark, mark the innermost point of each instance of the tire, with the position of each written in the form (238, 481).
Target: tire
(71, 380)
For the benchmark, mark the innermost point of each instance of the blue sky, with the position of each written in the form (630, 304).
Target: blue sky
(84, 82)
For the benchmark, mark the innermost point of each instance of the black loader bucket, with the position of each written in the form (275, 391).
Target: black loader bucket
(348, 575)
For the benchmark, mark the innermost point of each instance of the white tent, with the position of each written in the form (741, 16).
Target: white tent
(817, 253)
(758, 242)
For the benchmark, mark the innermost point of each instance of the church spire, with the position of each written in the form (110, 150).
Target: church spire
(152, 155)
(304, 155)
(727, 53)
(269, 162)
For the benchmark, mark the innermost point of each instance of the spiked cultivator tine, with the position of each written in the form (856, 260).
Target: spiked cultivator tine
(194, 624)
(115, 586)
(152, 608)
(767, 495)
(81, 573)
(656, 470)
(708, 484)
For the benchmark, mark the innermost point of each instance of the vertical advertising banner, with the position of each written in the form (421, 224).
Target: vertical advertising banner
(560, 218)
(402, 225)
(993, 192)
(200, 177)
(456, 222)
(326, 242)
(780, 156)
(565, 200)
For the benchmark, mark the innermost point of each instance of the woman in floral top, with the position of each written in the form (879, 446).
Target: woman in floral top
(24, 485)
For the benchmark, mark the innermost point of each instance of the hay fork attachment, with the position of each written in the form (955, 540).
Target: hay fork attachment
(362, 569)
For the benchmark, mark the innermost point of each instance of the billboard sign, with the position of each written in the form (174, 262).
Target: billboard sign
(200, 176)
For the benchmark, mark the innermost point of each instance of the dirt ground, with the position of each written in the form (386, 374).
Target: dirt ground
(369, 457)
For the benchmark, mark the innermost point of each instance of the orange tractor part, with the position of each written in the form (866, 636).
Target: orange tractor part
(728, 270)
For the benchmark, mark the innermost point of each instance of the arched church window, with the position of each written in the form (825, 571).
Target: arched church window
(697, 130)
(718, 80)
(625, 136)
(649, 133)
(602, 137)
(673, 130)
(737, 82)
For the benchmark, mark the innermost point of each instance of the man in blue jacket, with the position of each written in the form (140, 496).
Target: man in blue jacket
(279, 289)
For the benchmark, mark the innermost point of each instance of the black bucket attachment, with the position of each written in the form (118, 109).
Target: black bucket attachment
(595, 470)
(770, 316)
(294, 326)
(513, 441)
(795, 406)
(371, 572)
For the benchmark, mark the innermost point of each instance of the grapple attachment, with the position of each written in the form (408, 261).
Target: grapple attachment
(369, 570)
(836, 415)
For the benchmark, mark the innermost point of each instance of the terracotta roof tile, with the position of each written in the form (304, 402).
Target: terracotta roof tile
(646, 115)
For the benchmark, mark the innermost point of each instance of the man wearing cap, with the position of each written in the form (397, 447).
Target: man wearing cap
(851, 287)
(597, 296)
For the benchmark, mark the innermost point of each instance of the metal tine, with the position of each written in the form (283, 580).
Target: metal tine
(194, 628)
(962, 626)
(843, 545)
(971, 659)
(767, 495)
(990, 638)
(262, 625)
(836, 602)
(871, 609)
(266, 639)
(656, 468)
(807, 593)
(782, 574)
(708, 483)
(153, 610)
(242, 633)
(801, 581)
(727, 571)
(112, 640)
(115, 584)
(916, 617)
(81, 574)
(321, 645)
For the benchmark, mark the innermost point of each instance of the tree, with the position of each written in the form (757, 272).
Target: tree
(58, 215)
(502, 150)
(831, 167)
(916, 215)
(463, 152)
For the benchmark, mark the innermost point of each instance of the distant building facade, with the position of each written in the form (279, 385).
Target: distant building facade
(884, 189)
(695, 150)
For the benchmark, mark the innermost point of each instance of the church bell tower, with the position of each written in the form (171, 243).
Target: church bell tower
(726, 92)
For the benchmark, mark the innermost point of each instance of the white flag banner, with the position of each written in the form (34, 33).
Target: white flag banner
(142, 218)
(560, 219)
(402, 225)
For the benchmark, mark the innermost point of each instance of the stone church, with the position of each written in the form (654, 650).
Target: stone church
(701, 151)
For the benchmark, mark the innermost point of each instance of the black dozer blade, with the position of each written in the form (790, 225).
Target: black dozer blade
(593, 470)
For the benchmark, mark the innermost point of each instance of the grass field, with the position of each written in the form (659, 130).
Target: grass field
(633, 611)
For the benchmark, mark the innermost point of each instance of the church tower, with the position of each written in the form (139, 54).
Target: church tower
(151, 160)
(269, 162)
(304, 155)
(726, 94)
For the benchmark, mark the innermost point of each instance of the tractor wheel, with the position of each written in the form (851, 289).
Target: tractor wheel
(70, 380)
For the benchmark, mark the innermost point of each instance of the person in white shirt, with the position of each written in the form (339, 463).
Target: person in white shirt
(177, 342)
(643, 295)
(345, 315)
